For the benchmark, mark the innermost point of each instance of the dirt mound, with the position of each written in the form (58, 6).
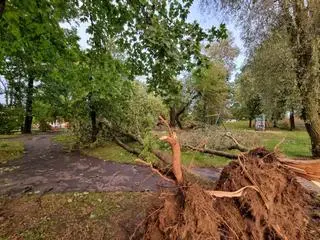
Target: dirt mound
(278, 211)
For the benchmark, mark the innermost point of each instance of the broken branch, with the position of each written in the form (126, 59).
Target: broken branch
(213, 152)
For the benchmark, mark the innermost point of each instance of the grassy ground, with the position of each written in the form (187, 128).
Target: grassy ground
(68, 141)
(10, 150)
(5, 136)
(73, 215)
(110, 151)
(291, 143)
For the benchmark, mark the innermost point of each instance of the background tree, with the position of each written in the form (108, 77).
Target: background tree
(272, 68)
(300, 20)
(211, 84)
(32, 40)
(248, 101)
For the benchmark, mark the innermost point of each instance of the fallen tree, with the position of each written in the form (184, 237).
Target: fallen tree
(246, 203)
(213, 152)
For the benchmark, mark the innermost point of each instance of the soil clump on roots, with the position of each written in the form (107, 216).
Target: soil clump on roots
(278, 209)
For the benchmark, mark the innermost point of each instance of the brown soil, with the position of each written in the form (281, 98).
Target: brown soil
(45, 167)
(280, 211)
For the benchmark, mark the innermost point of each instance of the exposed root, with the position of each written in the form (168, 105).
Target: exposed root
(232, 212)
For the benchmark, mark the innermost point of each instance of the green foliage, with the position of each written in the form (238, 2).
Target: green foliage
(248, 100)
(272, 68)
(10, 119)
(141, 111)
(211, 84)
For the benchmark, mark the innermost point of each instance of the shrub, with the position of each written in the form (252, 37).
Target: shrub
(11, 119)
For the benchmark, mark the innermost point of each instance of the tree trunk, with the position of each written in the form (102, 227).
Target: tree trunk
(28, 117)
(313, 131)
(292, 124)
(173, 117)
(275, 125)
(93, 117)
(95, 130)
(2, 6)
(302, 25)
(250, 122)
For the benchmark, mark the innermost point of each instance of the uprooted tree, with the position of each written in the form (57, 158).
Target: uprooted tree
(259, 208)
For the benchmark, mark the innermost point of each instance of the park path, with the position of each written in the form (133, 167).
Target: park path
(45, 167)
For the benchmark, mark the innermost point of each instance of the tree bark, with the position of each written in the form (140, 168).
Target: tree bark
(93, 117)
(176, 155)
(302, 27)
(250, 122)
(173, 117)
(291, 120)
(275, 125)
(2, 6)
(213, 152)
(28, 117)
(94, 130)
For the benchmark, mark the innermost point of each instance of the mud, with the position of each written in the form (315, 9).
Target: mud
(282, 208)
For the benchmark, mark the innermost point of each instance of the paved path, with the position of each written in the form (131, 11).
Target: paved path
(45, 167)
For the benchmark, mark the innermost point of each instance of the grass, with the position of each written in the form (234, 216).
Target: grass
(202, 160)
(291, 143)
(10, 150)
(112, 215)
(69, 142)
(6, 136)
(111, 151)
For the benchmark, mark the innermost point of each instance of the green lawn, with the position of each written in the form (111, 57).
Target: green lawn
(5, 136)
(68, 141)
(291, 143)
(10, 150)
(111, 151)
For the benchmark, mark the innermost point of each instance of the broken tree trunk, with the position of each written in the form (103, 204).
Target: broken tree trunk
(237, 145)
(172, 139)
(213, 152)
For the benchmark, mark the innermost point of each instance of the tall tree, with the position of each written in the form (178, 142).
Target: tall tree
(300, 19)
(272, 68)
(31, 35)
(211, 84)
(248, 101)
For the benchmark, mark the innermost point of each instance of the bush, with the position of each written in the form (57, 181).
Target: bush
(11, 119)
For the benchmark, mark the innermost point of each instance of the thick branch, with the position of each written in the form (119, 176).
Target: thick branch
(237, 145)
(126, 147)
(176, 156)
(162, 156)
(213, 152)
